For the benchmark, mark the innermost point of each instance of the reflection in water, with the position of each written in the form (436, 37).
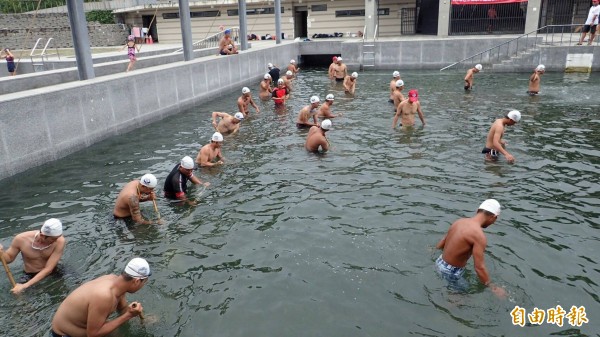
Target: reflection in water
(290, 243)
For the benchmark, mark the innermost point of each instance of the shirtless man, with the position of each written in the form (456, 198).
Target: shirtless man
(494, 144)
(86, 310)
(331, 71)
(128, 201)
(325, 110)
(340, 71)
(395, 78)
(289, 76)
(226, 44)
(41, 250)
(293, 67)
(316, 137)
(209, 152)
(534, 80)
(397, 96)
(465, 238)
(307, 112)
(350, 83)
(228, 124)
(244, 101)
(280, 94)
(469, 76)
(407, 109)
(265, 88)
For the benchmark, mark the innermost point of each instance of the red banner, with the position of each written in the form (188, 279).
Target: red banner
(485, 2)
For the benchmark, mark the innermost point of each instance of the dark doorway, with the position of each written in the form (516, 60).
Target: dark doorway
(150, 20)
(427, 16)
(300, 21)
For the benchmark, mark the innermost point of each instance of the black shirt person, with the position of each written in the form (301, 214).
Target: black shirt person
(176, 182)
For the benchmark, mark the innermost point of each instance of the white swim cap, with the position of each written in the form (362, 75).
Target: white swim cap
(315, 99)
(239, 115)
(280, 81)
(478, 67)
(355, 74)
(148, 180)
(292, 61)
(491, 205)
(267, 76)
(245, 90)
(289, 73)
(396, 74)
(399, 83)
(138, 267)
(541, 67)
(339, 58)
(187, 163)
(515, 115)
(52, 227)
(270, 65)
(326, 124)
(329, 97)
(217, 137)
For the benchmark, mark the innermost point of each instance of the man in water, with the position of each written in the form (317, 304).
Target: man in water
(265, 88)
(289, 76)
(209, 152)
(128, 201)
(41, 250)
(350, 83)
(293, 67)
(226, 44)
(407, 110)
(494, 144)
(244, 101)
(395, 78)
(176, 183)
(397, 96)
(464, 239)
(228, 124)
(331, 71)
(340, 71)
(316, 137)
(280, 94)
(307, 112)
(86, 310)
(469, 76)
(325, 110)
(535, 79)
(274, 72)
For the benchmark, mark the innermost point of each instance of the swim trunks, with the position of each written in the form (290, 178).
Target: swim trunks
(390, 100)
(339, 79)
(490, 153)
(54, 334)
(223, 53)
(532, 93)
(467, 87)
(303, 126)
(453, 275)
(10, 64)
(26, 277)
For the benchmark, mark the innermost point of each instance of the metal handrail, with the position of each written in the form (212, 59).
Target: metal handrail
(43, 54)
(34, 47)
(364, 33)
(375, 33)
(213, 40)
(526, 36)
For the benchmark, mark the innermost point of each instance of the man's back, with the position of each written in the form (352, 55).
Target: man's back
(316, 139)
(460, 239)
(72, 315)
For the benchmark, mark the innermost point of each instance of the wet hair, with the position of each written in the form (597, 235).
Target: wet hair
(488, 213)
(127, 277)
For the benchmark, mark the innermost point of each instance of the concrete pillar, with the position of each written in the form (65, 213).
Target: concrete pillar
(533, 15)
(243, 24)
(81, 42)
(186, 30)
(278, 21)
(371, 18)
(444, 18)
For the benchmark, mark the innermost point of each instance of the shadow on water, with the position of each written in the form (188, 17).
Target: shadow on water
(290, 243)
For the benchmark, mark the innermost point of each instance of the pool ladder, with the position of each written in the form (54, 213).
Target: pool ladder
(38, 61)
(368, 50)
